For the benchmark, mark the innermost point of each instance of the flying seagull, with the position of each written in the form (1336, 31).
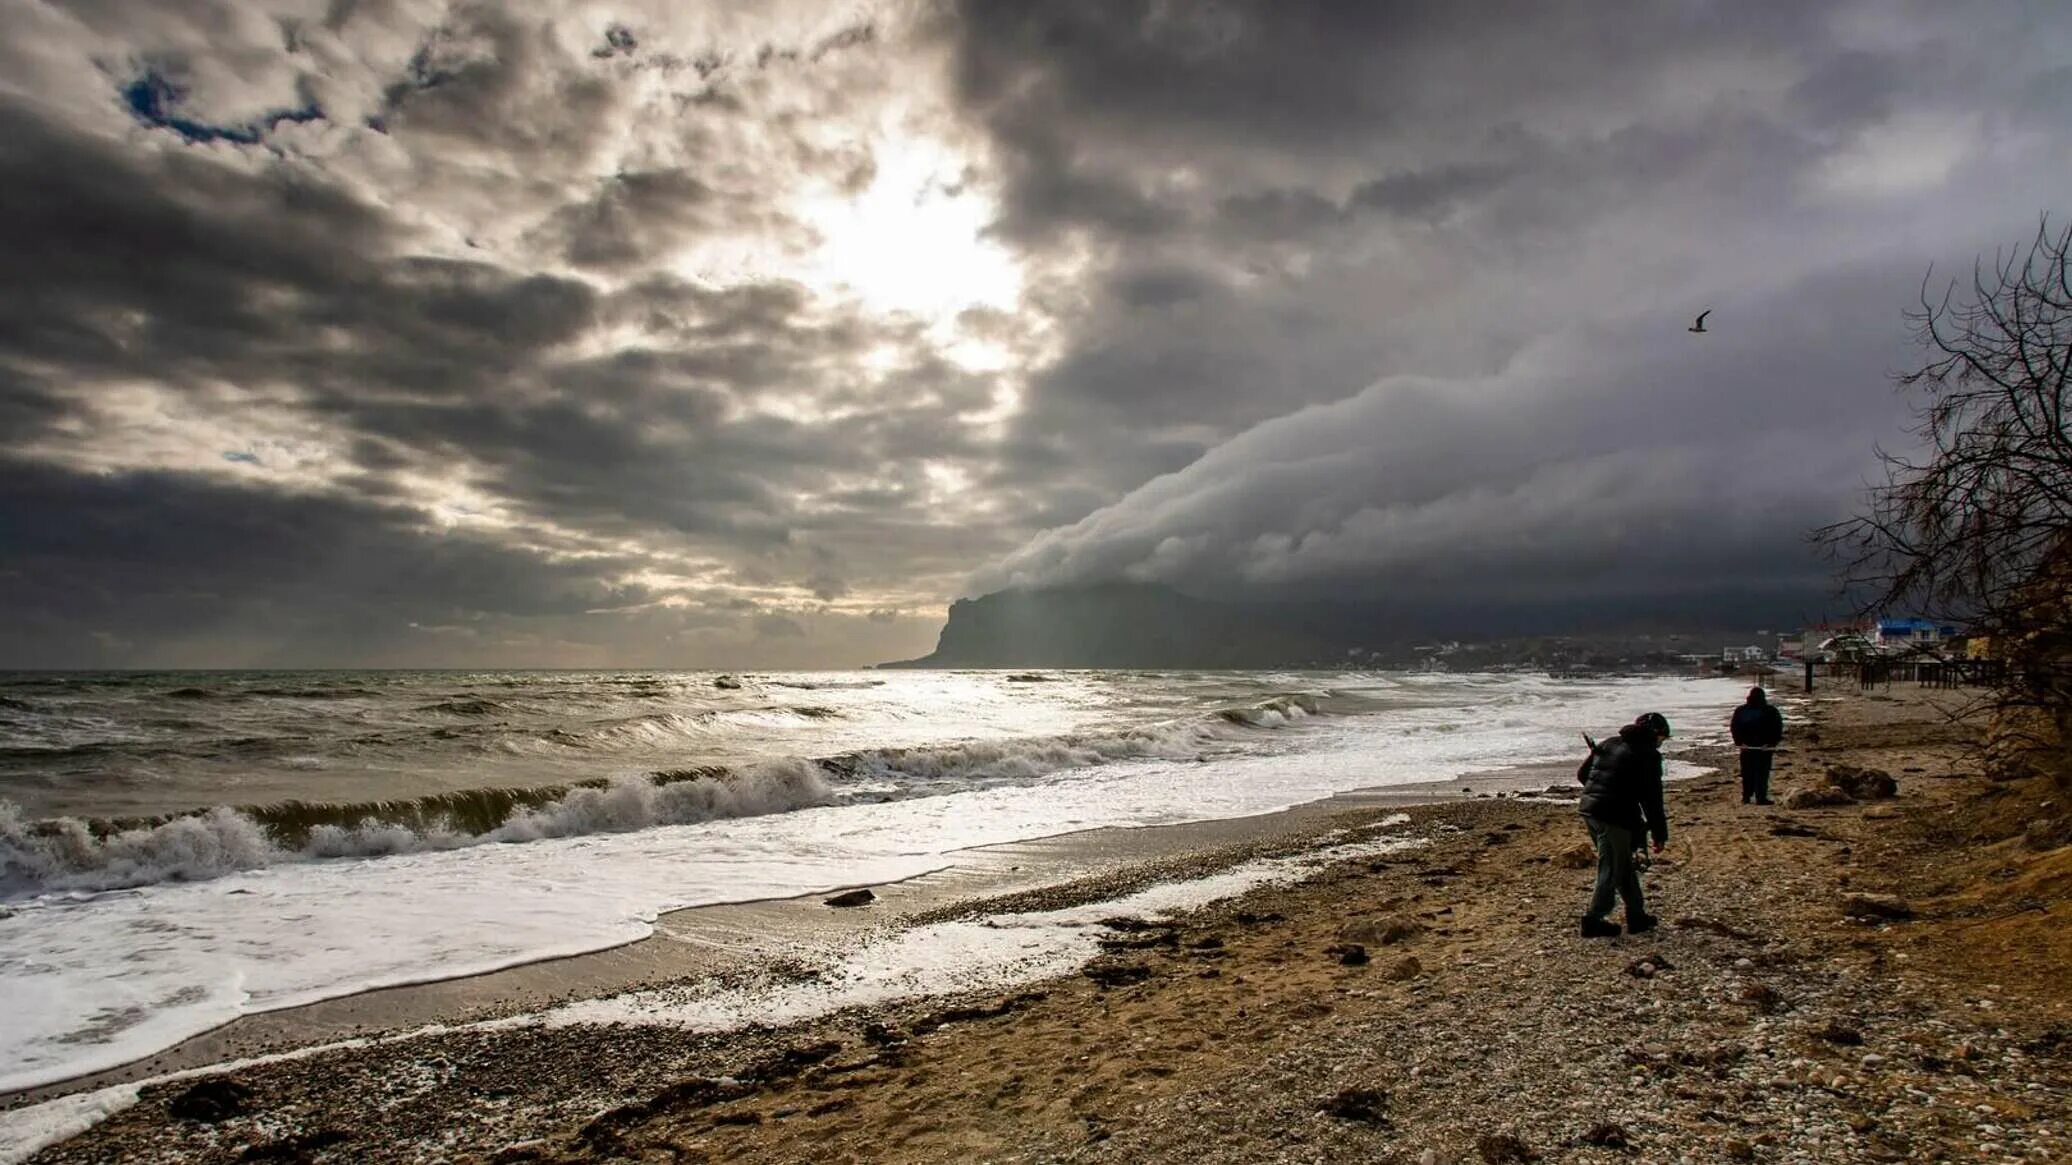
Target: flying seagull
(1700, 325)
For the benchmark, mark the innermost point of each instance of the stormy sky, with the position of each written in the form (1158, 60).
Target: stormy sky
(702, 335)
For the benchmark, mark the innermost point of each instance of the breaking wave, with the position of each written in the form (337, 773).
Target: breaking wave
(1026, 758)
(69, 854)
(464, 707)
(1273, 713)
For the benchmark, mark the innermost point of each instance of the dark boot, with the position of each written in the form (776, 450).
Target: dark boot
(1594, 927)
(1642, 924)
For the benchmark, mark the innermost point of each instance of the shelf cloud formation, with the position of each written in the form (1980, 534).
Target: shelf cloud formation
(421, 333)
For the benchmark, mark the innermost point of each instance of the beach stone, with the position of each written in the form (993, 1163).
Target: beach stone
(1815, 798)
(1836, 1033)
(1381, 932)
(883, 1035)
(852, 898)
(1862, 784)
(1406, 968)
(1607, 1135)
(1580, 856)
(1888, 906)
(1503, 1148)
(1762, 995)
(1116, 974)
(1168, 936)
(1350, 954)
(212, 1100)
(1367, 1106)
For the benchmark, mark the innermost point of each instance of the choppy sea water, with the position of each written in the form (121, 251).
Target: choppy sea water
(177, 850)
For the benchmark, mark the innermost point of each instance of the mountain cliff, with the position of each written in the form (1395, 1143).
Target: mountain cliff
(1116, 625)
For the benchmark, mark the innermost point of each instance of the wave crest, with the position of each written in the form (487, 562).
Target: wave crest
(68, 854)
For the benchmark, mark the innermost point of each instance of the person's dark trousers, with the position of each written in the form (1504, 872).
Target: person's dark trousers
(1616, 875)
(1755, 774)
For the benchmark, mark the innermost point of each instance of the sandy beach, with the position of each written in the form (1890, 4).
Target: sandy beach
(1423, 998)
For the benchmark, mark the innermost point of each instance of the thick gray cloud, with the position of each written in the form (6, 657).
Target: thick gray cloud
(440, 282)
(418, 331)
(1391, 298)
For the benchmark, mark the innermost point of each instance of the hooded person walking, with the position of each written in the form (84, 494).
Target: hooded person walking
(1622, 805)
(1758, 727)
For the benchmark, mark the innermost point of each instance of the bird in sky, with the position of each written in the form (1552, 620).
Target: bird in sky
(1700, 325)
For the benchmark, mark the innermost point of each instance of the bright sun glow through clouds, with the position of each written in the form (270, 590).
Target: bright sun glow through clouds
(912, 241)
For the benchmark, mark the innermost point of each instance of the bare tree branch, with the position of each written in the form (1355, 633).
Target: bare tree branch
(1975, 527)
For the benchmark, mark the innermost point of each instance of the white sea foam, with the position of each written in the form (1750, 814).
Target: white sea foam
(90, 981)
(64, 854)
(25, 1131)
(999, 952)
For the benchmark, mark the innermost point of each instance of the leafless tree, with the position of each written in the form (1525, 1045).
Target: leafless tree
(1974, 525)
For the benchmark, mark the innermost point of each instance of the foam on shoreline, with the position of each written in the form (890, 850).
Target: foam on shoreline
(998, 952)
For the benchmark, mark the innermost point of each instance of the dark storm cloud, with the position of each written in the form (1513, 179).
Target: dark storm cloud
(1576, 470)
(632, 217)
(1428, 193)
(1446, 254)
(276, 578)
(574, 335)
(171, 265)
(107, 242)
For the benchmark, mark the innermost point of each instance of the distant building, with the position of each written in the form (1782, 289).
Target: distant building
(1849, 646)
(1748, 654)
(1902, 633)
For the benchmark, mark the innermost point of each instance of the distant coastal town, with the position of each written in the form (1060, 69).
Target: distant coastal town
(1905, 641)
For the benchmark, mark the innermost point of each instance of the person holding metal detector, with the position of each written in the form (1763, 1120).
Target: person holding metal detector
(1622, 805)
(1758, 727)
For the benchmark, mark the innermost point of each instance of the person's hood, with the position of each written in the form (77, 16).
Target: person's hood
(1756, 696)
(1639, 736)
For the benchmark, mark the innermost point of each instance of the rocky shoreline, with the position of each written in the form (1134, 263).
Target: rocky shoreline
(1870, 980)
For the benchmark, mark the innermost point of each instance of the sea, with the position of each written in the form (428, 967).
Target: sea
(180, 849)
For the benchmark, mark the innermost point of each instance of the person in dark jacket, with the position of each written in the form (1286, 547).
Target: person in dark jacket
(1758, 727)
(1622, 805)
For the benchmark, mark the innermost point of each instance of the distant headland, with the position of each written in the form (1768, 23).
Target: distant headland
(1147, 625)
